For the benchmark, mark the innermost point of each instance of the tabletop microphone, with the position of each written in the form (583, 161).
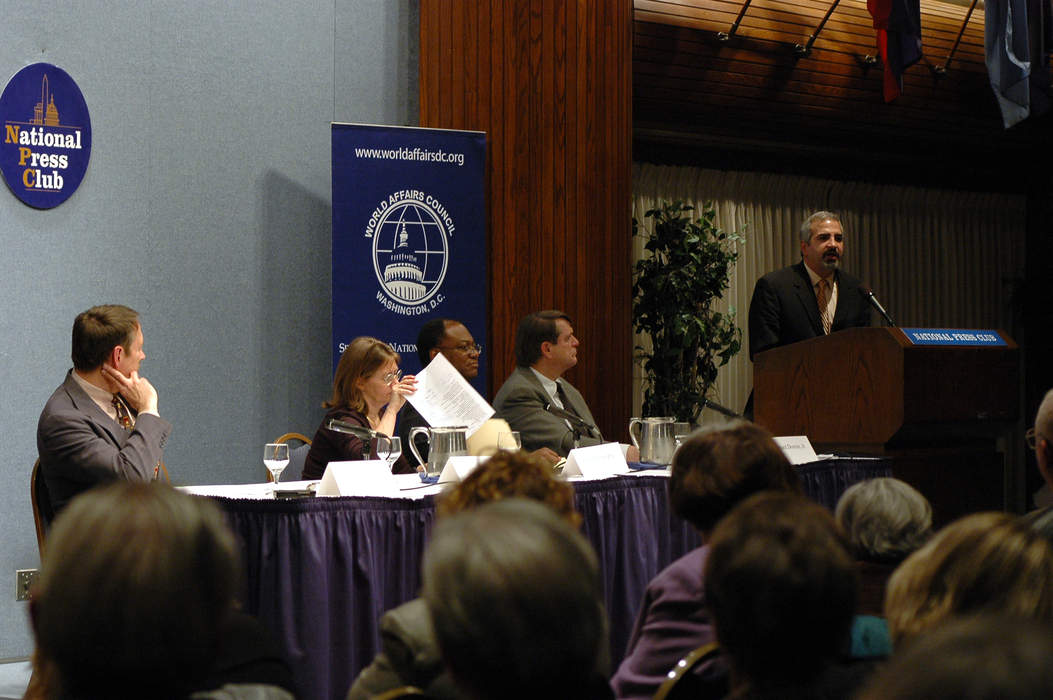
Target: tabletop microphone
(366, 435)
(720, 409)
(574, 418)
(344, 427)
(866, 292)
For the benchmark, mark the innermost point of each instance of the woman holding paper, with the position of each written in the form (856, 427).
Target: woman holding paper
(368, 391)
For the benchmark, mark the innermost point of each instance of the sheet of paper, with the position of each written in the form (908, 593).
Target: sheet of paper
(445, 398)
(797, 448)
(596, 461)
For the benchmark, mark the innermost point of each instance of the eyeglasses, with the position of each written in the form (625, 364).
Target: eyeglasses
(1031, 438)
(466, 348)
(392, 377)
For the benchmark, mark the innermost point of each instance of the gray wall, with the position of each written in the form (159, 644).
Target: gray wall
(206, 207)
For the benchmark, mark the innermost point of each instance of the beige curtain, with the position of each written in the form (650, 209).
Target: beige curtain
(935, 258)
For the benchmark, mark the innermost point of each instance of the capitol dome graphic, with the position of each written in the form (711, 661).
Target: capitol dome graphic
(410, 252)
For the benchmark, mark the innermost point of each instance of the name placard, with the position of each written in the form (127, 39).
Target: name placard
(596, 461)
(458, 467)
(953, 336)
(371, 477)
(797, 448)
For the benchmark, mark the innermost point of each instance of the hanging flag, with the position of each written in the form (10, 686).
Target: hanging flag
(898, 27)
(1008, 58)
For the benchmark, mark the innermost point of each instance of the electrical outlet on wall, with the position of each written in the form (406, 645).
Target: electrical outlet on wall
(24, 579)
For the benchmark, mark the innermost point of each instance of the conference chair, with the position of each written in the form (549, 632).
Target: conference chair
(42, 512)
(299, 446)
(682, 683)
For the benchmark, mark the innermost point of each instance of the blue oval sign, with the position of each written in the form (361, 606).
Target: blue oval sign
(46, 141)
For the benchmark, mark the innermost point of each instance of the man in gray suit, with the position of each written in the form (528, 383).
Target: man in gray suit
(101, 424)
(545, 349)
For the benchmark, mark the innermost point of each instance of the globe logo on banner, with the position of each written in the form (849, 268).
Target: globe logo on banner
(45, 145)
(410, 251)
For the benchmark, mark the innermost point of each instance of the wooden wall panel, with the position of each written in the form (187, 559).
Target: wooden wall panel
(550, 82)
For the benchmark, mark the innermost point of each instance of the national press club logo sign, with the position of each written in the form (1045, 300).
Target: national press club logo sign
(45, 144)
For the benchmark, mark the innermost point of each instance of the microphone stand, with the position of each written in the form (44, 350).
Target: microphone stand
(720, 409)
(578, 426)
(869, 294)
(366, 435)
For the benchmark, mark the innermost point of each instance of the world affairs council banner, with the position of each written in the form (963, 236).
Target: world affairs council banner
(409, 235)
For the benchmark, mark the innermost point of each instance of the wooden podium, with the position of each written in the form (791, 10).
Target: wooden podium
(937, 410)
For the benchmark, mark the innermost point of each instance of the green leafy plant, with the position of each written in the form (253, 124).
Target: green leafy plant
(684, 271)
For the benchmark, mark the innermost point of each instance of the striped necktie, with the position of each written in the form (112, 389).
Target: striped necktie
(822, 297)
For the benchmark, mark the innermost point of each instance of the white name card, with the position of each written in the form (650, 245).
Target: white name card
(596, 461)
(797, 448)
(371, 477)
(458, 467)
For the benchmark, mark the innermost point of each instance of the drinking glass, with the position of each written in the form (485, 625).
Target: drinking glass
(509, 441)
(681, 431)
(394, 452)
(276, 458)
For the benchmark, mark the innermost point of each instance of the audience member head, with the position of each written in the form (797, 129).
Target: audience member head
(514, 596)
(363, 357)
(136, 583)
(984, 657)
(985, 562)
(885, 519)
(534, 330)
(454, 341)
(98, 331)
(781, 586)
(717, 468)
(511, 475)
(1044, 438)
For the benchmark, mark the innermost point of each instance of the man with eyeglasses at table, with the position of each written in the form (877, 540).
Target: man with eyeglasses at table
(455, 342)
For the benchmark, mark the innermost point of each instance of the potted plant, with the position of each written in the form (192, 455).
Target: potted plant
(684, 271)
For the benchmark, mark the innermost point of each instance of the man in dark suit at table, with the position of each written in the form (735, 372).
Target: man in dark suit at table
(454, 341)
(101, 424)
(545, 349)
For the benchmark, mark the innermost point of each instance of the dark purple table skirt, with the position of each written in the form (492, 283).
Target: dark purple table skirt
(825, 481)
(320, 572)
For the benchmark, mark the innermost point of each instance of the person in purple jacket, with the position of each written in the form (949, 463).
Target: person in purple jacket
(712, 472)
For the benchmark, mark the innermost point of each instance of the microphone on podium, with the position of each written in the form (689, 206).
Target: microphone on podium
(869, 295)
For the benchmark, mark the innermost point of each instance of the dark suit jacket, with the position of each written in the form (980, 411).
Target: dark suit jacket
(80, 446)
(521, 401)
(784, 310)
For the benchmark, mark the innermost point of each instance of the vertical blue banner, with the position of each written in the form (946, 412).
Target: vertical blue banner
(409, 235)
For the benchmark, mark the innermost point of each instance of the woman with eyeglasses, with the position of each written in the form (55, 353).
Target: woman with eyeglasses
(368, 390)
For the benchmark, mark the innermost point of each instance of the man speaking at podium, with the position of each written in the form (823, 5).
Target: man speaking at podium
(809, 299)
